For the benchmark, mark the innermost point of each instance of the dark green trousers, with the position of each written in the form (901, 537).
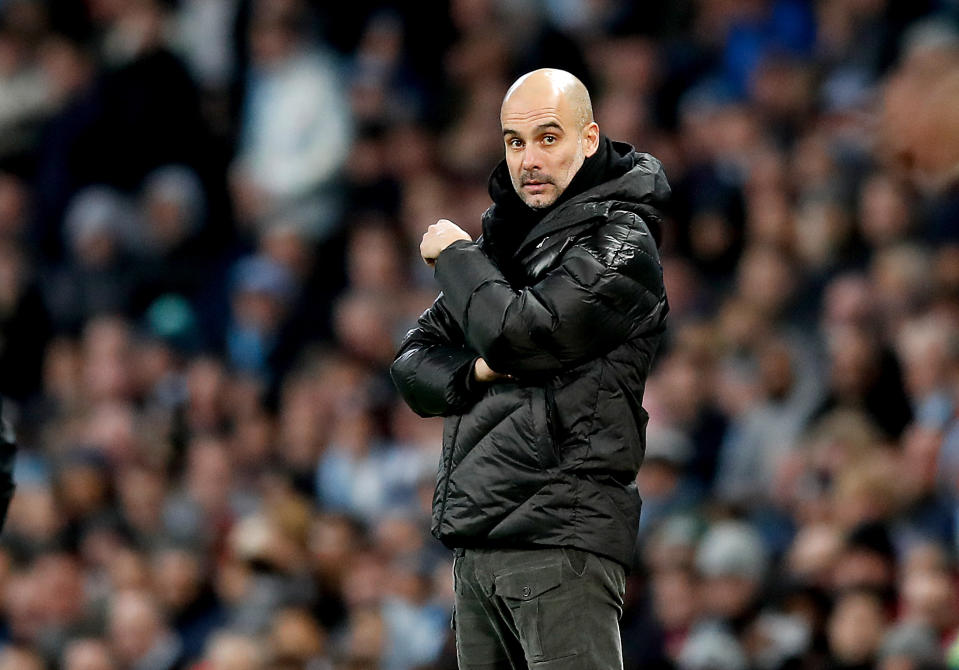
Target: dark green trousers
(548, 609)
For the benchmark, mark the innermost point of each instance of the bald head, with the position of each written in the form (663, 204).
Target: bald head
(549, 131)
(550, 84)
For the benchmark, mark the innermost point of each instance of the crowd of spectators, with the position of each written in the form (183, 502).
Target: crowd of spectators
(209, 216)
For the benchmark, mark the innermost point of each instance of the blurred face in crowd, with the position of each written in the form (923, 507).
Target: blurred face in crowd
(13, 205)
(366, 638)
(728, 596)
(209, 474)
(141, 492)
(135, 625)
(814, 553)
(59, 580)
(549, 131)
(20, 659)
(332, 542)
(853, 362)
(88, 654)
(34, 514)
(296, 637)
(233, 652)
(178, 576)
(675, 599)
(273, 39)
(929, 597)
(83, 489)
(856, 628)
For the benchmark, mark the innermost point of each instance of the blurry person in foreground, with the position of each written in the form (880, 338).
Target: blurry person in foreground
(8, 453)
(537, 352)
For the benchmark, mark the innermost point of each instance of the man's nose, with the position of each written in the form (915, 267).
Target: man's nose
(532, 159)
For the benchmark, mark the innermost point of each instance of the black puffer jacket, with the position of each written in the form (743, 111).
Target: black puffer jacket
(549, 457)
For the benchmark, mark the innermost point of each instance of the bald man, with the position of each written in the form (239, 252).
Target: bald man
(537, 352)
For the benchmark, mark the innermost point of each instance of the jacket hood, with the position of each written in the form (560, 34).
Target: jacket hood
(644, 183)
(643, 189)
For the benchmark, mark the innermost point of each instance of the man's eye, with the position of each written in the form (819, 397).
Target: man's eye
(549, 139)
(515, 144)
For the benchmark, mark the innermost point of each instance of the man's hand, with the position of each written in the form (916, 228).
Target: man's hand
(483, 373)
(439, 236)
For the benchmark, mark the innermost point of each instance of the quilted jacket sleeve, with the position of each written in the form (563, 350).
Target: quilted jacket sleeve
(433, 366)
(593, 301)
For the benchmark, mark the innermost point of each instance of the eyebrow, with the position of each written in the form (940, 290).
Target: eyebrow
(552, 125)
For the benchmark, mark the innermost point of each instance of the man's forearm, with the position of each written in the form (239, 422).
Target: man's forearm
(579, 310)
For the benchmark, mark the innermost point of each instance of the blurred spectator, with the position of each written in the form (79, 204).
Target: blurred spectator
(295, 640)
(296, 124)
(88, 654)
(731, 562)
(99, 224)
(856, 629)
(759, 441)
(139, 636)
(187, 597)
(262, 293)
(150, 112)
(909, 645)
(204, 35)
(170, 251)
(712, 648)
(232, 651)
(23, 90)
(25, 326)
(14, 658)
(661, 482)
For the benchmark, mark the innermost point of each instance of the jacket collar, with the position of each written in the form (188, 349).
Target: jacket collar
(642, 189)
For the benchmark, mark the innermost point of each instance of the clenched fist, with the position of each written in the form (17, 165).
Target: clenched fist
(439, 236)
(482, 372)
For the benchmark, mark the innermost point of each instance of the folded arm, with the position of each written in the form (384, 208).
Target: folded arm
(580, 310)
(433, 368)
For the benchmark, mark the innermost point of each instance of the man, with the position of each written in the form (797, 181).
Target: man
(537, 352)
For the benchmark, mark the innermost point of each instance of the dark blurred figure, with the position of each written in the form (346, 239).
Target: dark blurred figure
(68, 150)
(865, 375)
(139, 635)
(25, 327)
(171, 240)
(97, 276)
(116, 124)
(187, 597)
(150, 106)
(8, 451)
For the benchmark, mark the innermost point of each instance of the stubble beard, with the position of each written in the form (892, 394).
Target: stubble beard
(533, 200)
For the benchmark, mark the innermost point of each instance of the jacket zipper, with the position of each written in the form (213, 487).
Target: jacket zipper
(550, 432)
(449, 472)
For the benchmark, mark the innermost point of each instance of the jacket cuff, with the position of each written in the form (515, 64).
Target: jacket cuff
(470, 383)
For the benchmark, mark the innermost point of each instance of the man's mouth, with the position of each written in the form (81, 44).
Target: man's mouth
(535, 185)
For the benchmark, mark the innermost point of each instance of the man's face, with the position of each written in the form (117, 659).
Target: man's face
(545, 146)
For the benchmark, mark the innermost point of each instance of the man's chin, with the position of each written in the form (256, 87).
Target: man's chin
(538, 201)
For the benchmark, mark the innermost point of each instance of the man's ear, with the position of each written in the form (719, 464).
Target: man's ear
(590, 139)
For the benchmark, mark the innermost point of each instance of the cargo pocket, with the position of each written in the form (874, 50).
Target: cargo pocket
(541, 610)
